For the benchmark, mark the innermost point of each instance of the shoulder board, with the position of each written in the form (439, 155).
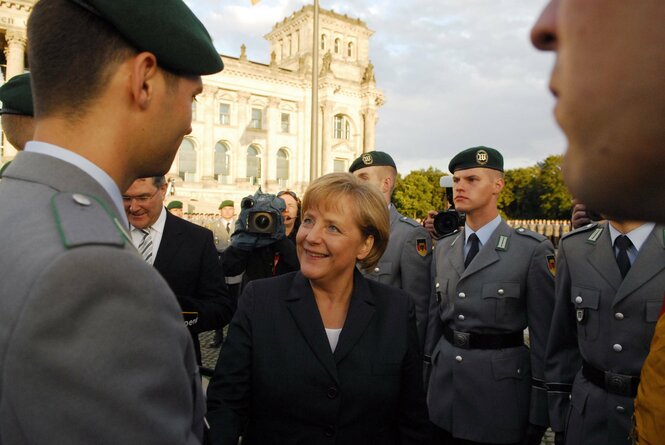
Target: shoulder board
(526, 232)
(586, 228)
(406, 219)
(82, 220)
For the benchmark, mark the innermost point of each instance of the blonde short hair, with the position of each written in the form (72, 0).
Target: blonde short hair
(369, 208)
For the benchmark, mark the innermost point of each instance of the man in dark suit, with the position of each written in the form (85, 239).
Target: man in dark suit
(492, 281)
(609, 288)
(183, 253)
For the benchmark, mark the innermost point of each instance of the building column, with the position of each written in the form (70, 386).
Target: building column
(273, 127)
(326, 139)
(243, 115)
(206, 158)
(369, 124)
(15, 52)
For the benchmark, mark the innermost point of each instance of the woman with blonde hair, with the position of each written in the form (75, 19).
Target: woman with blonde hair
(323, 355)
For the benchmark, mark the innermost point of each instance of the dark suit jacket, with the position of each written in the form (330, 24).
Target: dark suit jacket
(277, 373)
(188, 261)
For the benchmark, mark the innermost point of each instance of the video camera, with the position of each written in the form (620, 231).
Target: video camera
(448, 221)
(260, 221)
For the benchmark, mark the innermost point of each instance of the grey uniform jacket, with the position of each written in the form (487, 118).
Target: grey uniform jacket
(406, 264)
(617, 321)
(93, 348)
(490, 395)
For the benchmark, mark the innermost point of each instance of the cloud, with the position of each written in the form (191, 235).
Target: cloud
(456, 73)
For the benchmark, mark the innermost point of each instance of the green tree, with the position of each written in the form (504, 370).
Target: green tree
(555, 199)
(418, 192)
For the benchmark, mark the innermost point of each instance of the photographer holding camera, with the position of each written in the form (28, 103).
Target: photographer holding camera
(259, 245)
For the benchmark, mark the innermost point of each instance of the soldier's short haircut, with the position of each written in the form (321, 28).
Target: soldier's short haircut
(70, 51)
(158, 181)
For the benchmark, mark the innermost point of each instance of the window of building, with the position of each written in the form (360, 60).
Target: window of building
(222, 160)
(224, 114)
(349, 50)
(253, 164)
(257, 118)
(336, 46)
(187, 160)
(286, 123)
(342, 127)
(339, 165)
(323, 42)
(282, 166)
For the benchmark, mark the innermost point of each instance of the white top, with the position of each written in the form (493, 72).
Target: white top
(156, 232)
(333, 337)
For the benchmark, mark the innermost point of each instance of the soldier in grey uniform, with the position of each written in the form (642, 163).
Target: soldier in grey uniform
(93, 347)
(492, 281)
(406, 263)
(609, 292)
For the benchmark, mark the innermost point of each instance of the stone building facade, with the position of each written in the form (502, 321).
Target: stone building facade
(251, 125)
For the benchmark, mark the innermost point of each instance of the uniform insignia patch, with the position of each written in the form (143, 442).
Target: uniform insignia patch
(595, 235)
(551, 264)
(502, 243)
(580, 314)
(367, 159)
(421, 246)
(482, 157)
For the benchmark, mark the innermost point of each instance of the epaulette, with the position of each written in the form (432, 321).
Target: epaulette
(530, 233)
(406, 219)
(83, 220)
(585, 228)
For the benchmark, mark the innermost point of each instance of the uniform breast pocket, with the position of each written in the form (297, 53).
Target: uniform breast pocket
(502, 303)
(383, 271)
(651, 314)
(586, 302)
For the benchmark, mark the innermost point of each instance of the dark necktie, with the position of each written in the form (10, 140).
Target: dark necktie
(623, 243)
(228, 228)
(473, 250)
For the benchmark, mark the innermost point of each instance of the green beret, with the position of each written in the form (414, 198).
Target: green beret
(166, 28)
(477, 157)
(16, 96)
(174, 205)
(226, 203)
(372, 159)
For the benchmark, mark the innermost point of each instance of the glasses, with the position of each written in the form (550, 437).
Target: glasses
(141, 199)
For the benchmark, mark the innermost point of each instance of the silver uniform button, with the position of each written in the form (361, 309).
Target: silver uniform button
(81, 200)
(500, 292)
(458, 358)
(376, 269)
(578, 299)
(618, 316)
(617, 347)
(437, 284)
(620, 409)
(461, 295)
(460, 317)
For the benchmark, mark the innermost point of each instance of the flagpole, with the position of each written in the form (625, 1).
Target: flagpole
(314, 134)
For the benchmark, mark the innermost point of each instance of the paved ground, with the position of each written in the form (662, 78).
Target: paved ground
(209, 359)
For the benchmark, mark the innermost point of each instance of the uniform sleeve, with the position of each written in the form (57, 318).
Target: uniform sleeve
(416, 280)
(540, 304)
(562, 360)
(434, 328)
(415, 427)
(100, 355)
(229, 391)
(212, 299)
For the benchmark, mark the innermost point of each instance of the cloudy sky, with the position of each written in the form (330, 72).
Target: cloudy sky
(455, 73)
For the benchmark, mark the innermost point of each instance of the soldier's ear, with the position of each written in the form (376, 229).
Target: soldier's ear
(142, 78)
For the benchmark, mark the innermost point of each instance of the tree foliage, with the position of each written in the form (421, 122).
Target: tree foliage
(418, 192)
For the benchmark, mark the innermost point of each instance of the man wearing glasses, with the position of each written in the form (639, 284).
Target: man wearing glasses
(183, 253)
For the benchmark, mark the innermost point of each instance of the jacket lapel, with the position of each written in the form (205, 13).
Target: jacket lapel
(302, 306)
(603, 260)
(456, 258)
(488, 254)
(361, 310)
(649, 262)
(170, 242)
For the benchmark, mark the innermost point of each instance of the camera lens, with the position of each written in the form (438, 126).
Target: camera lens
(247, 202)
(263, 221)
(446, 222)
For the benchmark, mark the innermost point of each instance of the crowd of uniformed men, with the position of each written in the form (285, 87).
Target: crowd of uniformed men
(92, 348)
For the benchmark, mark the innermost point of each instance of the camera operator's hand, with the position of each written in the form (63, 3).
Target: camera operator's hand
(580, 216)
(428, 224)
